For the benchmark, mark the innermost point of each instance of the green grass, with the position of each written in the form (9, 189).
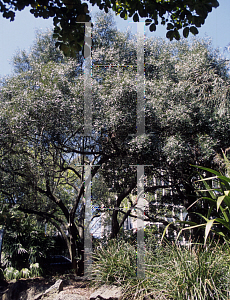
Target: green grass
(171, 272)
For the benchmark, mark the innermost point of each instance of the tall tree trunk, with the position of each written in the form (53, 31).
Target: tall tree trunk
(115, 225)
(80, 264)
(73, 253)
(76, 244)
(80, 243)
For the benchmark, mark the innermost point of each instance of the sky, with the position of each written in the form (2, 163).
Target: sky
(20, 34)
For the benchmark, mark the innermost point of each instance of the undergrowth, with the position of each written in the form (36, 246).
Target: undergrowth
(191, 272)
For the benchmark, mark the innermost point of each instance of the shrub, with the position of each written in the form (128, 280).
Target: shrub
(114, 263)
(25, 273)
(35, 270)
(9, 273)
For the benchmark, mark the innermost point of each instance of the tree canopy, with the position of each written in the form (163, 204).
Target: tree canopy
(69, 16)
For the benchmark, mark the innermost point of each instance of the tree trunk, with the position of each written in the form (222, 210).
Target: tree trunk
(73, 253)
(76, 243)
(80, 264)
(115, 225)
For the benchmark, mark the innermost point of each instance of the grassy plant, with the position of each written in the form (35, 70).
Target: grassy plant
(25, 273)
(172, 272)
(198, 272)
(35, 270)
(10, 273)
(114, 263)
(16, 274)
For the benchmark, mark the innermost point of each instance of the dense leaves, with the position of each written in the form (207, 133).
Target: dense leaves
(69, 16)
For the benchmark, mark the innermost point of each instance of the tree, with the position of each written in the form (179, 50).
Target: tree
(43, 149)
(187, 106)
(66, 14)
(44, 153)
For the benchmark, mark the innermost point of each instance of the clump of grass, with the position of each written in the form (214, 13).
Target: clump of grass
(35, 270)
(172, 272)
(199, 272)
(10, 273)
(25, 273)
(114, 263)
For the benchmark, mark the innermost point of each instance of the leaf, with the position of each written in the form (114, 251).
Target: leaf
(193, 30)
(224, 214)
(208, 169)
(123, 13)
(170, 35)
(207, 229)
(166, 227)
(176, 34)
(209, 190)
(219, 201)
(206, 219)
(215, 3)
(136, 18)
(186, 32)
(169, 26)
(188, 228)
(224, 178)
(207, 178)
(223, 222)
(152, 27)
(192, 225)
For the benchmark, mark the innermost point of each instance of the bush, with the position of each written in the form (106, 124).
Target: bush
(190, 272)
(9, 273)
(35, 270)
(114, 263)
(25, 273)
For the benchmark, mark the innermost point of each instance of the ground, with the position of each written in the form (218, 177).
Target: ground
(71, 285)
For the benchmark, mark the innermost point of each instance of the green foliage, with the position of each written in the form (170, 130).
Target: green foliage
(199, 273)
(69, 16)
(171, 272)
(35, 270)
(114, 263)
(24, 239)
(11, 273)
(218, 198)
(25, 273)
(42, 124)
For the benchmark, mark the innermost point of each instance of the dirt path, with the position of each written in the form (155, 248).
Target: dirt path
(78, 287)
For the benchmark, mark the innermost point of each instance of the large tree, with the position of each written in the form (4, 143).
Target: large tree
(186, 109)
(67, 15)
(45, 153)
